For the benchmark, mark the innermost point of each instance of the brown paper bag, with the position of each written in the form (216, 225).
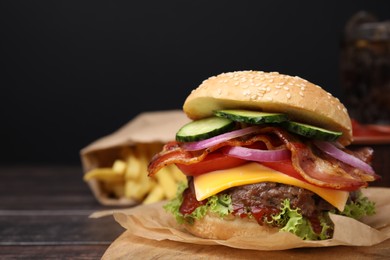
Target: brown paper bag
(146, 128)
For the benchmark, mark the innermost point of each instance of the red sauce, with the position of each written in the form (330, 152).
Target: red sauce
(260, 214)
(315, 223)
(190, 203)
(263, 214)
(239, 211)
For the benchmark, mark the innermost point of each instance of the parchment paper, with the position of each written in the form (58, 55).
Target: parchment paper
(147, 128)
(152, 222)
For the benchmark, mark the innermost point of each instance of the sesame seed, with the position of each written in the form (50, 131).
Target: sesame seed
(247, 92)
(288, 95)
(269, 98)
(286, 88)
(301, 93)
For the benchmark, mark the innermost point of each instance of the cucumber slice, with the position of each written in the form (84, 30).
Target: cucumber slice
(252, 117)
(204, 128)
(312, 131)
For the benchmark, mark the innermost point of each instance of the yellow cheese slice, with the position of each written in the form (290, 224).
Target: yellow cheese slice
(211, 183)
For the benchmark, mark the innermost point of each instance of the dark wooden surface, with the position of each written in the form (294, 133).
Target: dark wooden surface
(44, 214)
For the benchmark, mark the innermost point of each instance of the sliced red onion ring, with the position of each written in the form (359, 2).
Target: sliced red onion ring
(340, 155)
(194, 146)
(258, 155)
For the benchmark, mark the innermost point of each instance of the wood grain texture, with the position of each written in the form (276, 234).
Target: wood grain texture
(44, 214)
(52, 252)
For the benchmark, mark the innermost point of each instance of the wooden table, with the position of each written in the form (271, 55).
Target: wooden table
(44, 214)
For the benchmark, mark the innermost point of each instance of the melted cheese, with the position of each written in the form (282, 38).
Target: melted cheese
(211, 183)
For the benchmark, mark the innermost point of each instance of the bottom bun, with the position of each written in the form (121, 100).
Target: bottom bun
(214, 227)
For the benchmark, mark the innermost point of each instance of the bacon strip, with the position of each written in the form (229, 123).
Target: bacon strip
(313, 165)
(173, 153)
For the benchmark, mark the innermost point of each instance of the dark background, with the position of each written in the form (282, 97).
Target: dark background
(74, 71)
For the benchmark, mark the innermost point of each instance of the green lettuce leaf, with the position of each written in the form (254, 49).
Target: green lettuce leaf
(173, 205)
(218, 204)
(292, 221)
(359, 208)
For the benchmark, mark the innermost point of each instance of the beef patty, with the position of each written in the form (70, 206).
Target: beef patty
(268, 197)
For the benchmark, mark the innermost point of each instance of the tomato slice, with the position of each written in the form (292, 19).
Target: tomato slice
(214, 161)
(285, 167)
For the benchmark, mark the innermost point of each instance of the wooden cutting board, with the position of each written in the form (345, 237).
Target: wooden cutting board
(128, 246)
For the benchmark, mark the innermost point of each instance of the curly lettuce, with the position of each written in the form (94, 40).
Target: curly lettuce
(358, 208)
(291, 220)
(219, 204)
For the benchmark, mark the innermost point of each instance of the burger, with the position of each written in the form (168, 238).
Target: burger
(264, 153)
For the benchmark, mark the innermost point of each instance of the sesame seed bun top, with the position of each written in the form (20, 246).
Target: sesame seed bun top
(301, 100)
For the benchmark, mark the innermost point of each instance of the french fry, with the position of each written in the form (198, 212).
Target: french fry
(142, 155)
(128, 176)
(119, 166)
(145, 181)
(167, 182)
(133, 170)
(155, 195)
(176, 173)
(137, 189)
(132, 190)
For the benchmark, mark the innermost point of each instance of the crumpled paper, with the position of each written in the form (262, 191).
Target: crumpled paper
(152, 222)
